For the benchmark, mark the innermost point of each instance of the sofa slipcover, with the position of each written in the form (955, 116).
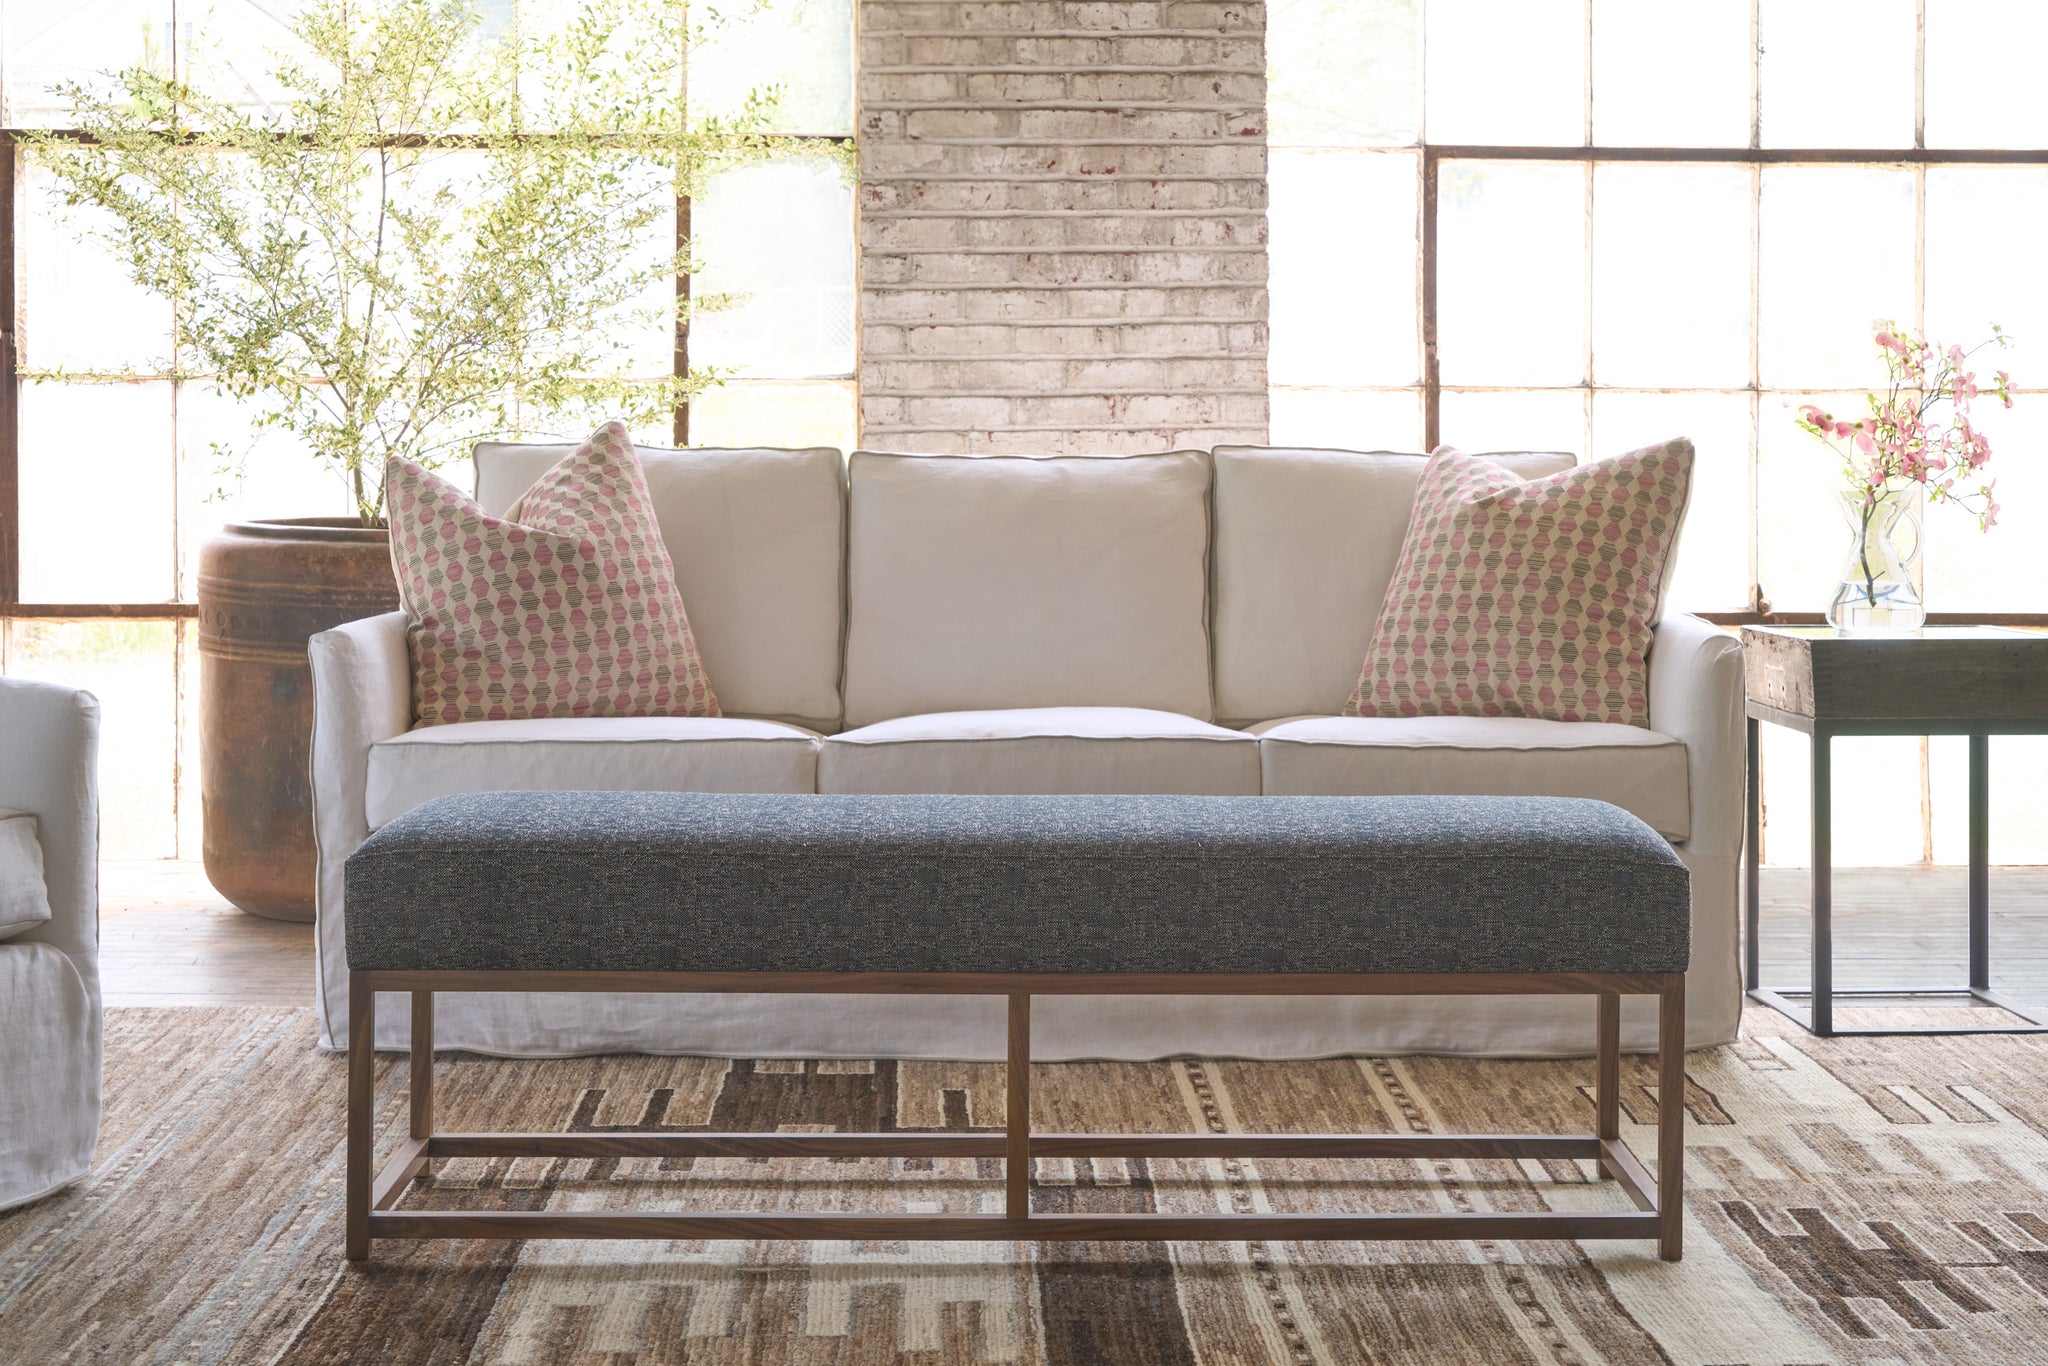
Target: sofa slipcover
(50, 1023)
(1695, 687)
(757, 541)
(1043, 750)
(1640, 771)
(592, 754)
(24, 897)
(983, 582)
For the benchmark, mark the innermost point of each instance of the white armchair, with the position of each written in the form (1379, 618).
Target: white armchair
(49, 968)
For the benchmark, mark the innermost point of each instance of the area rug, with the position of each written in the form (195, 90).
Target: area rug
(1863, 1200)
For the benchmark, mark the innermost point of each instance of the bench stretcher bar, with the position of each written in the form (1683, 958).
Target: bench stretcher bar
(1658, 1212)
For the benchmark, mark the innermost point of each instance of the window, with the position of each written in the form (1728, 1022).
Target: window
(1585, 225)
(107, 491)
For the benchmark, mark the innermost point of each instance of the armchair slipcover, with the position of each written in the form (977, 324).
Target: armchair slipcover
(49, 973)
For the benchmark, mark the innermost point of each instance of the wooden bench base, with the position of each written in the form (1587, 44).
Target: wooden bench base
(1658, 1215)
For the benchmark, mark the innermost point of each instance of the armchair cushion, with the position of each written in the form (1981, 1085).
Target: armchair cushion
(24, 897)
(1638, 770)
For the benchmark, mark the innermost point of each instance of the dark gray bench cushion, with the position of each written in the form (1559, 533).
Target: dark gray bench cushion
(717, 883)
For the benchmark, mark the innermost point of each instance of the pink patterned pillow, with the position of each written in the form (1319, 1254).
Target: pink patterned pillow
(565, 606)
(1528, 598)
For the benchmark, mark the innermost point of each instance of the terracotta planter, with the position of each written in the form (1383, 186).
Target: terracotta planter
(264, 588)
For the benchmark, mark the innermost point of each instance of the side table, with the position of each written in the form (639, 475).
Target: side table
(1977, 681)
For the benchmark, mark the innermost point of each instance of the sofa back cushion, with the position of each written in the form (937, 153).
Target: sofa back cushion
(977, 583)
(1305, 547)
(758, 542)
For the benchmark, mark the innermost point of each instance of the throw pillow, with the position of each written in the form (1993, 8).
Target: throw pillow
(565, 606)
(1529, 598)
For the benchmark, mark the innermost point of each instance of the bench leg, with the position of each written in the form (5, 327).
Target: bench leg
(421, 1078)
(362, 1034)
(1671, 1117)
(1607, 1056)
(1017, 1112)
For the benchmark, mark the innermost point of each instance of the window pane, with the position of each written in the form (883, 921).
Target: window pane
(1344, 72)
(97, 505)
(1968, 570)
(753, 413)
(803, 46)
(1984, 73)
(1713, 550)
(2019, 803)
(80, 309)
(1671, 275)
(778, 236)
(1507, 72)
(1871, 774)
(232, 48)
(130, 667)
(1837, 247)
(1343, 260)
(51, 44)
(1511, 273)
(230, 471)
(1985, 265)
(1348, 419)
(1671, 75)
(1837, 73)
(1533, 420)
(1801, 539)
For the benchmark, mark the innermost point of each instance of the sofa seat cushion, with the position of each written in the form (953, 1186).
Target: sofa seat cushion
(24, 897)
(1042, 750)
(1638, 770)
(591, 753)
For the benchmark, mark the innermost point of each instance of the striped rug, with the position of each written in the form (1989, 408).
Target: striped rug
(1869, 1200)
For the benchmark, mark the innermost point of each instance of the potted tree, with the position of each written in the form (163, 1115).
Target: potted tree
(440, 227)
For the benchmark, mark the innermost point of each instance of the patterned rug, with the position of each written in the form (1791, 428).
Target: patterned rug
(1867, 1200)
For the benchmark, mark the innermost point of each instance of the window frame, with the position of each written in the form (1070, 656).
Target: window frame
(1430, 159)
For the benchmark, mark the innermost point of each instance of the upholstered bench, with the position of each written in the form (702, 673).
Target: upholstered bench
(1016, 896)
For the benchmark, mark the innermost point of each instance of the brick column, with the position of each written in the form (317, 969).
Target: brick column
(1063, 227)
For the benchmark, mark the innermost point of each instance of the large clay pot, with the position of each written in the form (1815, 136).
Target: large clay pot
(264, 588)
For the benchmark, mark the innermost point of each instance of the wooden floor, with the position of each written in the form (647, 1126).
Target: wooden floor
(167, 938)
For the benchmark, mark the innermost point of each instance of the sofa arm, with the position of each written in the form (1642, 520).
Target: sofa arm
(362, 693)
(49, 767)
(1696, 697)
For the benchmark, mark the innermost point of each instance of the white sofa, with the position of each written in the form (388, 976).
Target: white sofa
(1189, 622)
(49, 937)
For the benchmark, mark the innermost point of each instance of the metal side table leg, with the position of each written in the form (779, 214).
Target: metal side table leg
(1823, 1000)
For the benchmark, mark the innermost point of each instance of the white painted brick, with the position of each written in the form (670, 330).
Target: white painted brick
(999, 86)
(1014, 305)
(1116, 87)
(1059, 257)
(958, 340)
(912, 234)
(914, 305)
(959, 410)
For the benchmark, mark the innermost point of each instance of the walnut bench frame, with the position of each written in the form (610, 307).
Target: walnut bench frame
(1658, 1213)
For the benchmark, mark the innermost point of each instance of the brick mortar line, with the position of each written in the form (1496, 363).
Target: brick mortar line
(1222, 352)
(1163, 321)
(1118, 287)
(909, 253)
(1064, 178)
(1094, 34)
(1067, 106)
(1060, 68)
(971, 215)
(1007, 430)
(1093, 392)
